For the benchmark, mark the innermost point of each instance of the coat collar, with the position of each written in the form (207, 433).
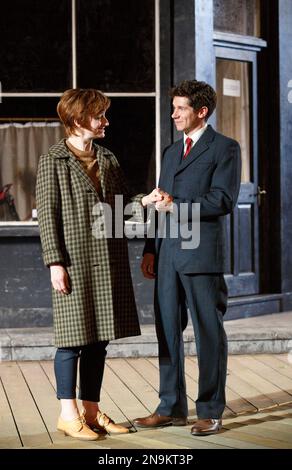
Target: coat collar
(61, 151)
(201, 146)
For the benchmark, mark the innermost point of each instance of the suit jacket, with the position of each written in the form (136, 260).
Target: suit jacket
(210, 175)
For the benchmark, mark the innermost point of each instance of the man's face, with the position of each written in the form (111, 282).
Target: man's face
(185, 117)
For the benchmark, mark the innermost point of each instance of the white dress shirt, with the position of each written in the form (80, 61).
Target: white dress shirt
(195, 135)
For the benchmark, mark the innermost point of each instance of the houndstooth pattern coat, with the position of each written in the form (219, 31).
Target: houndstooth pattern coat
(101, 303)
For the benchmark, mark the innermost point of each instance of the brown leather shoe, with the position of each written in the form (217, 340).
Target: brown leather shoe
(204, 427)
(155, 420)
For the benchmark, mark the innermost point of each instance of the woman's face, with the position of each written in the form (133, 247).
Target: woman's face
(98, 124)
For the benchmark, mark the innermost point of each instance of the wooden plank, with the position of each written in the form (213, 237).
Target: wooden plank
(155, 439)
(147, 370)
(70, 443)
(45, 398)
(274, 361)
(27, 417)
(284, 358)
(280, 429)
(248, 385)
(235, 403)
(9, 438)
(48, 367)
(258, 421)
(182, 434)
(122, 395)
(251, 438)
(275, 385)
(248, 392)
(259, 433)
(192, 374)
(222, 440)
(145, 393)
(281, 414)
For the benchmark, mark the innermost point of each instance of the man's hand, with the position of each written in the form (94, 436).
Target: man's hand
(166, 204)
(152, 197)
(147, 266)
(60, 279)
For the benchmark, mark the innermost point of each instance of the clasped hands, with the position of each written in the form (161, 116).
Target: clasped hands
(161, 199)
(163, 203)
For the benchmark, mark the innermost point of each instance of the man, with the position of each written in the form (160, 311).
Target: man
(203, 167)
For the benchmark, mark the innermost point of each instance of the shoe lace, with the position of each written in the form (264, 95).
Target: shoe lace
(82, 419)
(104, 420)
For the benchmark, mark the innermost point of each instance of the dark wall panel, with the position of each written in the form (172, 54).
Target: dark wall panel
(115, 45)
(19, 107)
(35, 45)
(25, 287)
(131, 136)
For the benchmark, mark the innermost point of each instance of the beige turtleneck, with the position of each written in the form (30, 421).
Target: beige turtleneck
(89, 163)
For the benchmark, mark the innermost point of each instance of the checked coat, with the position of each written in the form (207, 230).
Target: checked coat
(101, 304)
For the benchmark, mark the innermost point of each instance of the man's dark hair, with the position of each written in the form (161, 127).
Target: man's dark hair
(198, 93)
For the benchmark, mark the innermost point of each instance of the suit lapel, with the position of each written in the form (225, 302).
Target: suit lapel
(200, 147)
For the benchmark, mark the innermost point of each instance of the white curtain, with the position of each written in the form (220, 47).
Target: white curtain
(20, 148)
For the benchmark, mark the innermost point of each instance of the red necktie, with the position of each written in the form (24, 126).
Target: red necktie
(188, 147)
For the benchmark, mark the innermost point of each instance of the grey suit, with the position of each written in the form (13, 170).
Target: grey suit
(210, 175)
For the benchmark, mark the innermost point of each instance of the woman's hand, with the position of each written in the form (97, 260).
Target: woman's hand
(60, 279)
(152, 197)
(147, 266)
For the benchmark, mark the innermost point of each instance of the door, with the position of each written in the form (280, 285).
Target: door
(236, 117)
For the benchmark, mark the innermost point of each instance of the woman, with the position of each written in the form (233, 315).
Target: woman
(93, 299)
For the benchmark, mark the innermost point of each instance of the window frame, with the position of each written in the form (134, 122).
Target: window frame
(155, 94)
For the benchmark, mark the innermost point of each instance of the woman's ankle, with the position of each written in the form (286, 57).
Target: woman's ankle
(90, 408)
(69, 409)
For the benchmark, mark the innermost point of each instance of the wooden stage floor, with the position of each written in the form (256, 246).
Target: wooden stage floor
(258, 413)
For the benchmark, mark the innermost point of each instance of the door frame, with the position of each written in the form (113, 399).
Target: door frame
(245, 49)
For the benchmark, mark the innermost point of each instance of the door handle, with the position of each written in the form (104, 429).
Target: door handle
(261, 192)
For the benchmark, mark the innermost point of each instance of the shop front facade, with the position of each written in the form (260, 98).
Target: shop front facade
(134, 52)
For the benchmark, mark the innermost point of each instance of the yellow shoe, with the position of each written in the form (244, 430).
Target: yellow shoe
(103, 423)
(77, 428)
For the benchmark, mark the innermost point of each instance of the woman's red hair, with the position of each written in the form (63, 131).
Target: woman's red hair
(79, 105)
